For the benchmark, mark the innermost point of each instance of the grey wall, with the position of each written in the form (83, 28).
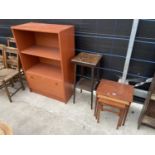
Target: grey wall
(109, 37)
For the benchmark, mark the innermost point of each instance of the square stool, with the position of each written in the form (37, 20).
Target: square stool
(116, 95)
(88, 60)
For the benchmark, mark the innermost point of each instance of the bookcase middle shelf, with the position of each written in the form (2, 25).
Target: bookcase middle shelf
(42, 51)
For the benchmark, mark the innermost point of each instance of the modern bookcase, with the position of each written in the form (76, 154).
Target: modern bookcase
(46, 51)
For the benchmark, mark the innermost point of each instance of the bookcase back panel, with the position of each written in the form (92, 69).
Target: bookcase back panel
(24, 39)
(28, 61)
(51, 62)
(46, 39)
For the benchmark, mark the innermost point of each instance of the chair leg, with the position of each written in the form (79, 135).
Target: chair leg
(12, 82)
(20, 78)
(7, 91)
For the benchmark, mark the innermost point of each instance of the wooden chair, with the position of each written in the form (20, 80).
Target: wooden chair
(10, 41)
(2, 63)
(7, 76)
(11, 58)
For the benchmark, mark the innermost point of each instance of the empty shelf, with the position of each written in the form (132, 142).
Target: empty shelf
(44, 52)
(46, 70)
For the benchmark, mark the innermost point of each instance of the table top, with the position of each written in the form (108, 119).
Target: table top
(115, 90)
(89, 59)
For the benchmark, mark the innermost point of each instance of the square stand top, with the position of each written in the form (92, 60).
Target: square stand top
(115, 91)
(87, 59)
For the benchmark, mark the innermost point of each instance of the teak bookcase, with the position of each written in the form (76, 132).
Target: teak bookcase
(46, 51)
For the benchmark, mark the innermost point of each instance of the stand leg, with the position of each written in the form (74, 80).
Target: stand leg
(82, 73)
(92, 86)
(98, 74)
(74, 89)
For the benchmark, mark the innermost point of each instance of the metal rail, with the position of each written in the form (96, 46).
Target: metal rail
(130, 49)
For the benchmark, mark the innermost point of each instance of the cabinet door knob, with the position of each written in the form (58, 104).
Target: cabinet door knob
(31, 77)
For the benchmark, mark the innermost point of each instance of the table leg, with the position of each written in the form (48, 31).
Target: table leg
(95, 107)
(98, 112)
(74, 89)
(92, 85)
(126, 113)
(121, 116)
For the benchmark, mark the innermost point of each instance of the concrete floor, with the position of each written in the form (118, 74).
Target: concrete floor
(33, 114)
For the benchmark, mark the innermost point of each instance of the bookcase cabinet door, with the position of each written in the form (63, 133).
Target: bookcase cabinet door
(46, 85)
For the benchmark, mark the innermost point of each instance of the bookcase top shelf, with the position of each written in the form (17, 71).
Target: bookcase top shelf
(40, 27)
(44, 52)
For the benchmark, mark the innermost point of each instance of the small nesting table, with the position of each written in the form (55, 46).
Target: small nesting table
(116, 95)
(86, 60)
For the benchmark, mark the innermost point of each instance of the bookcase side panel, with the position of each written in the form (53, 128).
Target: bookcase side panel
(67, 48)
